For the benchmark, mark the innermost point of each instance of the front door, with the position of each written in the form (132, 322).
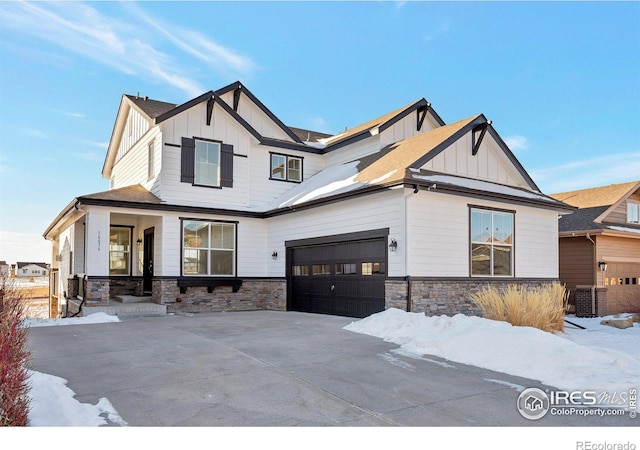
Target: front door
(147, 261)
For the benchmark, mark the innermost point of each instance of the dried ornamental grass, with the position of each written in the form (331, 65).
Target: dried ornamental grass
(542, 307)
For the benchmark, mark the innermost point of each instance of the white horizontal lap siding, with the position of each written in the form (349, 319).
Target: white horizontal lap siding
(438, 228)
(438, 235)
(251, 252)
(536, 243)
(133, 167)
(135, 127)
(192, 123)
(370, 212)
(264, 190)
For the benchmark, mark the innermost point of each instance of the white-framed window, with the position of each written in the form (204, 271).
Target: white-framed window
(207, 163)
(491, 242)
(120, 250)
(209, 248)
(633, 212)
(150, 160)
(286, 167)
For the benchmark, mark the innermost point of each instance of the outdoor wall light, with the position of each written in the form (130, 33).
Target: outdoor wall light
(602, 265)
(393, 245)
(139, 241)
(274, 255)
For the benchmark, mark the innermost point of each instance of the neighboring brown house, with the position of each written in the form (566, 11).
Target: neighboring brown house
(600, 248)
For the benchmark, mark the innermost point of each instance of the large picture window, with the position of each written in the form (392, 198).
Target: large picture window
(491, 243)
(120, 250)
(207, 163)
(209, 248)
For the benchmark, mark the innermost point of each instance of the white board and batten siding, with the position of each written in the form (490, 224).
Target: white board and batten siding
(438, 229)
(489, 164)
(135, 127)
(192, 123)
(369, 212)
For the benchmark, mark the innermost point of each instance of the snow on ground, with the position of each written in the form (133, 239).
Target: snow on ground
(597, 358)
(91, 318)
(600, 358)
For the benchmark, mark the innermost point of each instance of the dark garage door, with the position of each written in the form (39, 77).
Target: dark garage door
(345, 279)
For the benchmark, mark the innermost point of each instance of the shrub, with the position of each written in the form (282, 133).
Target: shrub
(14, 358)
(542, 307)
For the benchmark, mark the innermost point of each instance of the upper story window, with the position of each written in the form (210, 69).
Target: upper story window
(286, 168)
(491, 242)
(633, 212)
(150, 160)
(207, 163)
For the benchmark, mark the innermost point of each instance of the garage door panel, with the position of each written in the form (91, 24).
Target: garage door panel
(345, 278)
(622, 281)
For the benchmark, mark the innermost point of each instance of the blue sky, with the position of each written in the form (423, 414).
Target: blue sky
(560, 81)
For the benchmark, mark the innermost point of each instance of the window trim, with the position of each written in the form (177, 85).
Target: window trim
(631, 204)
(235, 248)
(286, 167)
(130, 262)
(151, 169)
(195, 163)
(512, 246)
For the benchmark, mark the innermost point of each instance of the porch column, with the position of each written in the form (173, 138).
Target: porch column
(97, 243)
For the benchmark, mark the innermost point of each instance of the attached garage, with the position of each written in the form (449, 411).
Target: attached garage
(342, 275)
(622, 281)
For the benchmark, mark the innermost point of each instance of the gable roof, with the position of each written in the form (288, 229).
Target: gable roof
(24, 264)
(377, 125)
(399, 164)
(152, 108)
(598, 196)
(594, 205)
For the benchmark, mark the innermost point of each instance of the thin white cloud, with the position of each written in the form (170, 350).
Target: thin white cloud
(90, 156)
(592, 172)
(123, 45)
(33, 132)
(516, 143)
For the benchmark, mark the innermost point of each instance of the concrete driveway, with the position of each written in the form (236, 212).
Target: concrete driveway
(268, 368)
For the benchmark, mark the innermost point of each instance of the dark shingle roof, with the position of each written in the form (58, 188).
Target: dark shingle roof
(308, 135)
(129, 194)
(581, 220)
(152, 108)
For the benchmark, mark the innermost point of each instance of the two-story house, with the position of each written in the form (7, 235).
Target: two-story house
(215, 204)
(600, 249)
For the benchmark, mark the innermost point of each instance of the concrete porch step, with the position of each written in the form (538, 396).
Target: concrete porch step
(117, 308)
(133, 298)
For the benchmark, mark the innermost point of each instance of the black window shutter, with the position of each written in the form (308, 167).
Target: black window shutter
(188, 155)
(226, 165)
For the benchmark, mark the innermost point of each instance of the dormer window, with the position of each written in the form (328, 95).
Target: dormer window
(633, 212)
(286, 168)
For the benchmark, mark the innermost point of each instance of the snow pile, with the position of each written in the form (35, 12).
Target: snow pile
(558, 360)
(99, 317)
(53, 405)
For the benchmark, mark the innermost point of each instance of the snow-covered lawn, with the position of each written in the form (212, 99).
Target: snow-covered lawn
(600, 358)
